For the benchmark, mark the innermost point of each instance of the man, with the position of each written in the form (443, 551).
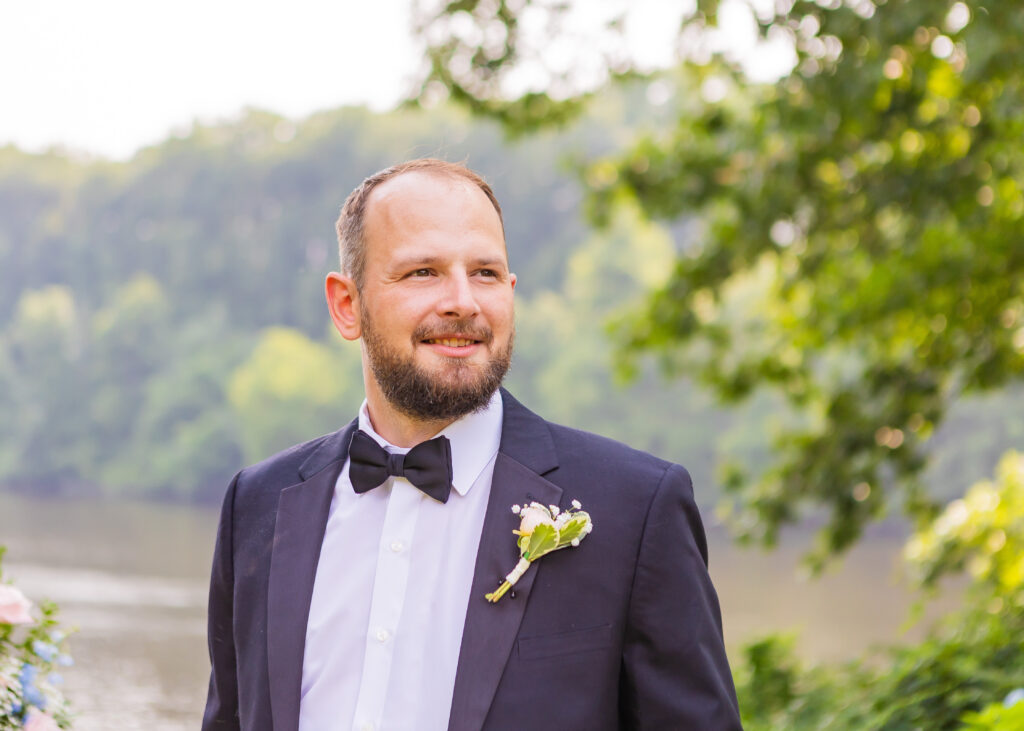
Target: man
(350, 574)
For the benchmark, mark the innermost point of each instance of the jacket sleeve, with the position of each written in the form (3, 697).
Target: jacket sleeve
(222, 699)
(675, 673)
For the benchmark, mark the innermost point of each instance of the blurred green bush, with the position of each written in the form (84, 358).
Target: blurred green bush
(956, 678)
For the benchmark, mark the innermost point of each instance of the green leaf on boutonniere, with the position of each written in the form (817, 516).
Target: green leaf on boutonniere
(544, 539)
(574, 529)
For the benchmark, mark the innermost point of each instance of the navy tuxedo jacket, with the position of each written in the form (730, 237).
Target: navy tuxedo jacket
(622, 632)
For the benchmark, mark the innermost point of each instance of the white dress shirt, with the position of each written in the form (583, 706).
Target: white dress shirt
(392, 585)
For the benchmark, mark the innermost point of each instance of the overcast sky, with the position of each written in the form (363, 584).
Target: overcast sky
(110, 76)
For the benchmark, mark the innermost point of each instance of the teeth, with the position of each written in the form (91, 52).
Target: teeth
(451, 342)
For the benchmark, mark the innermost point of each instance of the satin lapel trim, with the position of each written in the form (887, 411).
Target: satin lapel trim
(302, 512)
(491, 629)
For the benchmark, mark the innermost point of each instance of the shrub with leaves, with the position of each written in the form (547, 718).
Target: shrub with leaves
(1005, 716)
(965, 672)
(982, 533)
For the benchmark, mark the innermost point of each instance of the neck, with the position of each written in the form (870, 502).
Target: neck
(398, 428)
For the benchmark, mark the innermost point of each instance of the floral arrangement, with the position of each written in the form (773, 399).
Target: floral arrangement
(541, 531)
(32, 649)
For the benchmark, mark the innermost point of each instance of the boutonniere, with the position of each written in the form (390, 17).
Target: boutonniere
(541, 531)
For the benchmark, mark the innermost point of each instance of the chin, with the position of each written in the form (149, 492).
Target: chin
(444, 365)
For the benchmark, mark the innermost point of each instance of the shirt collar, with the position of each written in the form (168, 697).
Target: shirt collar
(474, 441)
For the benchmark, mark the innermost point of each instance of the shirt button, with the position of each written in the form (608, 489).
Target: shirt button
(397, 546)
(382, 635)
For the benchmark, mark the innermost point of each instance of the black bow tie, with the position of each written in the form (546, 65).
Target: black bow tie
(428, 465)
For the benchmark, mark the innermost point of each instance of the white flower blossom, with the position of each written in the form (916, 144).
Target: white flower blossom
(532, 517)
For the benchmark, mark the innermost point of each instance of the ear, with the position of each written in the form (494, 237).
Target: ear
(343, 304)
(513, 279)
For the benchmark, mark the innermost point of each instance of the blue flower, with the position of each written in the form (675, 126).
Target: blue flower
(28, 674)
(29, 691)
(16, 706)
(34, 697)
(1013, 697)
(45, 650)
(65, 660)
(55, 679)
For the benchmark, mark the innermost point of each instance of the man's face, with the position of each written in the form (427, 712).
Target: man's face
(436, 309)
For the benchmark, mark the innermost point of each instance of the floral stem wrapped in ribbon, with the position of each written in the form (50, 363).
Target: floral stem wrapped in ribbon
(541, 531)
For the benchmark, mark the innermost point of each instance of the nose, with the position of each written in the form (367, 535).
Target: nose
(458, 298)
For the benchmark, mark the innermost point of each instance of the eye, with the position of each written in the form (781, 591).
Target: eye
(488, 273)
(419, 273)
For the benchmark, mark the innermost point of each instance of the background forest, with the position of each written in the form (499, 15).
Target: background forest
(163, 320)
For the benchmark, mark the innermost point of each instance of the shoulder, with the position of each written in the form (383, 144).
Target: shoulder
(605, 471)
(645, 502)
(582, 450)
(532, 432)
(617, 476)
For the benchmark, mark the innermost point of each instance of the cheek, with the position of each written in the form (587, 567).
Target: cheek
(501, 314)
(400, 311)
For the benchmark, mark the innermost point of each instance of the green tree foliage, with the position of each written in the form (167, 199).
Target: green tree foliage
(563, 355)
(43, 375)
(852, 237)
(128, 345)
(995, 717)
(954, 679)
(185, 437)
(292, 389)
(982, 533)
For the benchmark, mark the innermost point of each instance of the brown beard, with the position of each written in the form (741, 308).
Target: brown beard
(462, 389)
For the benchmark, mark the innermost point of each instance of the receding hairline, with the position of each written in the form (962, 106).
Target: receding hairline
(350, 225)
(454, 179)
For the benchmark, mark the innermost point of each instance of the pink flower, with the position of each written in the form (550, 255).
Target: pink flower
(532, 516)
(14, 607)
(41, 722)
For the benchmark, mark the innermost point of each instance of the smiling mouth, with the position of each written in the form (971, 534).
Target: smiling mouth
(451, 342)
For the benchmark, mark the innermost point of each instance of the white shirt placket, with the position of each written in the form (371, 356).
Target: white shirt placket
(389, 586)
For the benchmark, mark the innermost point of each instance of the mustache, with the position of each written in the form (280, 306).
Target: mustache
(454, 329)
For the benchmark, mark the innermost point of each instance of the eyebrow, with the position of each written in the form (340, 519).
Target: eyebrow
(426, 261)
(490, 263)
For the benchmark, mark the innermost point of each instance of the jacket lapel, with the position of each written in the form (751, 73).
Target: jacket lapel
(491, 629)
(302, 512)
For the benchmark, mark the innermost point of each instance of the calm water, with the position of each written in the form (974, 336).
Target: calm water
(132, 579)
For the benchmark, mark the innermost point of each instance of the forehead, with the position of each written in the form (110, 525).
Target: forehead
(417, 203)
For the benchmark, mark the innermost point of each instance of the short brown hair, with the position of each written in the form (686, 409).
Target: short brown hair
(351, 241)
